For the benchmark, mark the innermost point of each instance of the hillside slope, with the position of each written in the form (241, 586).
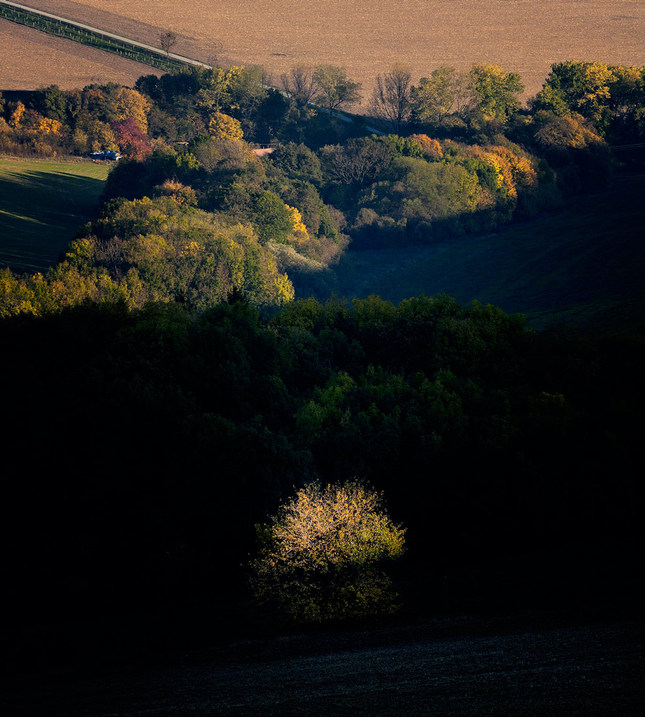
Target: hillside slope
(42, 204)
(584, 264)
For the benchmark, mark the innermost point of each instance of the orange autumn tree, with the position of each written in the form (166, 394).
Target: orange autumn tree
(510, 171)
(431, 147)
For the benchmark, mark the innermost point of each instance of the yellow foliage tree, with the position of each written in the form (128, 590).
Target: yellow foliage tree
(522, 168)
(178, 192)
(498, 91)
(299, 233)
(100, 136)
(510, 169)
(131, 104)
(16, 296)
(218, 87)
(568, 132)
(447, 91)
(46, 125)
(17, 114)
(222, 126)
(284, 289)
(320, 554)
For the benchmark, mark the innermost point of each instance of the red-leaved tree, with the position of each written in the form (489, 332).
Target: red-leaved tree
(132, 141)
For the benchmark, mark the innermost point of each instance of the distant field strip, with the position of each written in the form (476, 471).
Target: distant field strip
(93, 37)
(367, 37)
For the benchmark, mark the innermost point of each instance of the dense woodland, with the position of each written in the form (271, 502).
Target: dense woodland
(145, 445)
(173, 378)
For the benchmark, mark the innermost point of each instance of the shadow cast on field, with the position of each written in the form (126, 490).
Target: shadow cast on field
(577, 263)
(39, 214)
(34, 187)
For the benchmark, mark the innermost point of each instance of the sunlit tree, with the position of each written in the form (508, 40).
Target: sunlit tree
(217, 88)
(445, 92)
(223, 126)
(602, 94)
(130, 104)
(498, 91)
(17, 114)
(320, 556)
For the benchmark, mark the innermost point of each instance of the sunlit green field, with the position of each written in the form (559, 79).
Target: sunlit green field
(42, 204)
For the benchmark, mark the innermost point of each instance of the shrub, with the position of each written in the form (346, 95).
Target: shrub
(320, 555)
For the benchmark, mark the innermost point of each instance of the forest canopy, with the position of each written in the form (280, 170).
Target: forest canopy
(173, 368)
(175, 432)
(455, 154)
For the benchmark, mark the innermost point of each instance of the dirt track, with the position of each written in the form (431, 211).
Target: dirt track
(368, 36)
(586, 671)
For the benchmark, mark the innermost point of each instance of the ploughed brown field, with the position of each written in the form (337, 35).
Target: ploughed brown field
(365, 36)
(30, 59)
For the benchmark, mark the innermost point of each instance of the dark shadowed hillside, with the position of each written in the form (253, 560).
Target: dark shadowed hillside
(583, 265)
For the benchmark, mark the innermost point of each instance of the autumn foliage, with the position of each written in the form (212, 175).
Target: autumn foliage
(320, 554)
(134, 143)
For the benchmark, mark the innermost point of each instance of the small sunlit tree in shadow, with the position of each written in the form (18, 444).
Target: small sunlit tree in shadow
(321, 556)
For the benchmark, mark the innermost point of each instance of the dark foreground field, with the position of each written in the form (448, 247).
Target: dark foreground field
(586, 670)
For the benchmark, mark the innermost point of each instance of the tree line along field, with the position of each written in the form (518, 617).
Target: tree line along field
(386, 192)
(582, 264)
(368, 38)
(42, 205)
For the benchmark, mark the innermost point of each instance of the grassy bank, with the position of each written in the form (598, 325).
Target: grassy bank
(583, 264)
(42, 204)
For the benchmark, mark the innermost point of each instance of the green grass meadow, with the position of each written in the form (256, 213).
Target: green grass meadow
(42, 204)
